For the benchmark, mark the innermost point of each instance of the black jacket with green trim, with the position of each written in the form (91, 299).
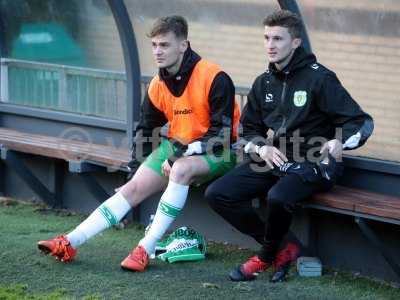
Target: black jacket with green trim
(304, 105)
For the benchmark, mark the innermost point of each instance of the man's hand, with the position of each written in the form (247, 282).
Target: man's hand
(193, 148)
(334, 147)
(166, 168)
(272, 156)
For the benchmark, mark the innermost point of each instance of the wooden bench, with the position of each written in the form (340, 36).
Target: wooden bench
(363, 206)
(82, 157)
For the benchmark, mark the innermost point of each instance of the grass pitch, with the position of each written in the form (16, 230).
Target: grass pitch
(25, 273)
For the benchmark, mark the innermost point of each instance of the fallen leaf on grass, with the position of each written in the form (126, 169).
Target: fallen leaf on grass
(244, 287)
(209, 285)
(5, 201)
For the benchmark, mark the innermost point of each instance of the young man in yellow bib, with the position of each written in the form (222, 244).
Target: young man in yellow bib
(195, 98)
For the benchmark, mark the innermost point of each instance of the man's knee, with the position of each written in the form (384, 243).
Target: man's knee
(278, 200)
(182, 171)
(212, 195)
(217, 196)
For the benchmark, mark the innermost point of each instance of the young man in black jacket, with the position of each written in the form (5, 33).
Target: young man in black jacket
(312, 118)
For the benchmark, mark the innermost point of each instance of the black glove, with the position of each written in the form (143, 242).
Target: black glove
(330, 170)
(308, 172)
(180, 149)
(311, 172)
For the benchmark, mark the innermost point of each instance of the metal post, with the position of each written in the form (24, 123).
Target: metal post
(4, 81)
(2, 177)
(293, 7)
(132, 67)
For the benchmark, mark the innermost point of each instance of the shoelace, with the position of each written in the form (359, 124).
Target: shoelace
(61, 250)
(139, 255)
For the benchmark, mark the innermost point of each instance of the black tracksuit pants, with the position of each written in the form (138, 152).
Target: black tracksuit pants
(231, 197)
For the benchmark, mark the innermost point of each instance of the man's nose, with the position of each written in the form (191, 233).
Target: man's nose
(157, 50)
(269, 44)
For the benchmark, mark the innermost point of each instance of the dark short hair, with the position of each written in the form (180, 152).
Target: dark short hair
(286, 19)
(176, 24)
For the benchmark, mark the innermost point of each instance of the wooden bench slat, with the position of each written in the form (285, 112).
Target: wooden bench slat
(359, 201)
(379, 209)
(334, 203)
(70, 153)
(57, 143)
(63, 149)
(339, 197)
(47, 140)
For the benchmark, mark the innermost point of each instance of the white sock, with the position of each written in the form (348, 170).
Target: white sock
(107, 214)
(171, 203)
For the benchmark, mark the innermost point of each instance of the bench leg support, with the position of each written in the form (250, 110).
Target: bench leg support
(16, 163)
(59, 167)
(102, 195)
(373, 238)
(2, 181)
(312, 243)
(95, 188)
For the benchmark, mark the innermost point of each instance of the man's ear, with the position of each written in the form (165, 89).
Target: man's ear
(296, 43)
(184, 45)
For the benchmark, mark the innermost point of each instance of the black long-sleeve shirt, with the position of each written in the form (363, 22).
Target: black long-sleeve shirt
(304, 105)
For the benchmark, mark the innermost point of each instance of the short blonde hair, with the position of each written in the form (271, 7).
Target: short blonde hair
(176, 24)
(286, 19)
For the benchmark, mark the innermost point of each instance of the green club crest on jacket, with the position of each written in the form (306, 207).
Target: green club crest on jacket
(300, 98)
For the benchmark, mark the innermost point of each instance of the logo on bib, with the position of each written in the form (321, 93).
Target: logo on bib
(183, 111)
(300, 98)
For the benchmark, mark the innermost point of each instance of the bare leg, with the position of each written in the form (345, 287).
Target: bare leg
(145, 183)
(183, 172)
